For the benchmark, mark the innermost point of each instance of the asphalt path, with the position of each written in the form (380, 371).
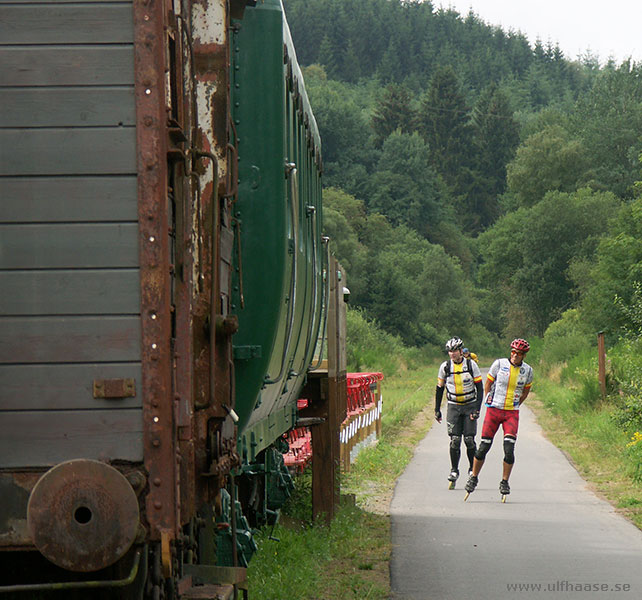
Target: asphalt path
(553, 538)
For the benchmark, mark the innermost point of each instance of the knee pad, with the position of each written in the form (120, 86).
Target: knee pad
(509, 449)
(469, 440)
(483, 449)
(455, 441)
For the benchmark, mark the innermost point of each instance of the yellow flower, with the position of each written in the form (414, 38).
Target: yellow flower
(635, 439)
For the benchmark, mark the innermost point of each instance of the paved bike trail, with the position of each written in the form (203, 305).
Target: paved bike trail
(553, 538)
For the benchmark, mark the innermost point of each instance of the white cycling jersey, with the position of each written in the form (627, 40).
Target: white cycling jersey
(460, 381)
(509, 383)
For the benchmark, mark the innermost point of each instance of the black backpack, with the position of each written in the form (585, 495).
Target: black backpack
(469, 364)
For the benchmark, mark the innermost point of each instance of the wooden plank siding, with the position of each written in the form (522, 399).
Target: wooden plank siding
(64, 246)
(91, 151)
(64, 386)
(70, 292)
(67, 107)
(69, 236)
(56, 436)
(66, 24)
(68, 199)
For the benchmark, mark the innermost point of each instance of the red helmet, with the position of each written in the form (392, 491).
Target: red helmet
(520, 345)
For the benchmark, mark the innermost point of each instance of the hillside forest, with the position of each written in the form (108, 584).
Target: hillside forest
(475, 184)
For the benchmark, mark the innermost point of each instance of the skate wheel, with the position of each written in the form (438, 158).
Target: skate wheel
(504, 499)
(451, 485)
(466, 496)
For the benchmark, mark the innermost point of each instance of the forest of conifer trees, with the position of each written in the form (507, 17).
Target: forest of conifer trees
(475, 184)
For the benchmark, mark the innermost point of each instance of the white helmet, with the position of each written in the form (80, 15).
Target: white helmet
(454, 344)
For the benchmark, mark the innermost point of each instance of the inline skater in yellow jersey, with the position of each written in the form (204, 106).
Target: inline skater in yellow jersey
(462, 381)
(507, 386)
(469, 354)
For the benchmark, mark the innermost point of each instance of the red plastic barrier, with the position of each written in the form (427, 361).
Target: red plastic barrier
(361, 399)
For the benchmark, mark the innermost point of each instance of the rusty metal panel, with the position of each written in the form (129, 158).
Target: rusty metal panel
(158, 405)
(114, 388)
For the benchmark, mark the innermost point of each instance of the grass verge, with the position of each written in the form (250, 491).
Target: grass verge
(585, 429)
(349, 558)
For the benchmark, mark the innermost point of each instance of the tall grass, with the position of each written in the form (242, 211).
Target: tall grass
(348, 559)
(599, 434)
(302, 563)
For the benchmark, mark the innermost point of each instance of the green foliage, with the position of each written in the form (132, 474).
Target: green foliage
(526, 255)
(377, 64)
(369, 348)
(614, 274)
(418, 289)
(608, 119)
(566, 338)
(294, 562)
(548, 160)
(634, 450)
(496, 135)
(444, 122)
(405, 188)
(403, 41)
(625, 372)
(393, 112)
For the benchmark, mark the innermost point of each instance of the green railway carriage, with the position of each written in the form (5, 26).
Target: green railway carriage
(282, 256)
(164, 289)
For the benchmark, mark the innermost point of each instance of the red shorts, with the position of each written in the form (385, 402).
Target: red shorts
(509, 419)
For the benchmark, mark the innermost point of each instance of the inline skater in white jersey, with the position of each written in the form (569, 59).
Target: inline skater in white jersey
(507, 386)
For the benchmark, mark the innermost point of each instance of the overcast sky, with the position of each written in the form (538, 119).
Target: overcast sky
(606, 27)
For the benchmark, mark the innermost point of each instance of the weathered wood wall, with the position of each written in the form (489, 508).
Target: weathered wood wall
(69, 277)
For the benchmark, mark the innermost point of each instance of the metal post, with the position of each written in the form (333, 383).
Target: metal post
(601, 355)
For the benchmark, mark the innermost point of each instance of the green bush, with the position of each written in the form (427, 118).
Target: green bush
(565, 338)
(369, 348)
(625, 381)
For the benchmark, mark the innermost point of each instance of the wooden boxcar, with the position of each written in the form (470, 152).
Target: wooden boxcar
(164, 286)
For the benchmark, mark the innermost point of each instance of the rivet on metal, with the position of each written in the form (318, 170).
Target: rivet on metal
(157, 481)
(156, 419)
(154, 346)
(152, 238)
(153, 316)
(148, 91)
(156, 443)
(158, 504)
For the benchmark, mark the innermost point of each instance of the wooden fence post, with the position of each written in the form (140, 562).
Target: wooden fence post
(601, 361)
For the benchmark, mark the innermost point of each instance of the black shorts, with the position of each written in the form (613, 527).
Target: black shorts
(459, 421)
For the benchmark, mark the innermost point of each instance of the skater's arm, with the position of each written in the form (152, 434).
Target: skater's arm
(487, 385)
(480, 396)
(439, 394)
(524, 395)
